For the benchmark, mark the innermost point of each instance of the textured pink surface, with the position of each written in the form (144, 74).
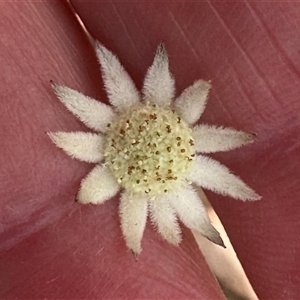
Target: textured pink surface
(250, 51)
(52, 248)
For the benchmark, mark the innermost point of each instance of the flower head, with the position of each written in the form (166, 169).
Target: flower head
(147, 147)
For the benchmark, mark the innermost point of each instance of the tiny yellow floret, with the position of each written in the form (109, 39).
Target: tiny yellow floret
(143, 151)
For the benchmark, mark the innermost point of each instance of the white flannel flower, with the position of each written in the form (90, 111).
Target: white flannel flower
(147, 147)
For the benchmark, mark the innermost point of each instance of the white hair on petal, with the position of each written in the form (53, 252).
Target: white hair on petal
(192, 213)
(119, 86)
(91, 112)
(85, 146)
(210, 138)
(98, 187)
(133, 216)
(191, 103)
(159, 84)
(163, 217)
(210, 174)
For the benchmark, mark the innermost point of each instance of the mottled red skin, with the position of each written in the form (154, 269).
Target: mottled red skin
(52, 247)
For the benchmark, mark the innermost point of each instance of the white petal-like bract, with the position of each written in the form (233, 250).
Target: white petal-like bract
(164, 218)
(191, 103)
(91, 112)
(159, 84)
(133, 215)
(98, 186)
(192, 213)
(209, 138)
(119, 86)
(85, 146)
(210, 174)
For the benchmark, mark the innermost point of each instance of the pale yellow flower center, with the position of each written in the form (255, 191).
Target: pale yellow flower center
(149, 149)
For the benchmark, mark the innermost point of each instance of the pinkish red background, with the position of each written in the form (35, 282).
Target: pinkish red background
(51, 247)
